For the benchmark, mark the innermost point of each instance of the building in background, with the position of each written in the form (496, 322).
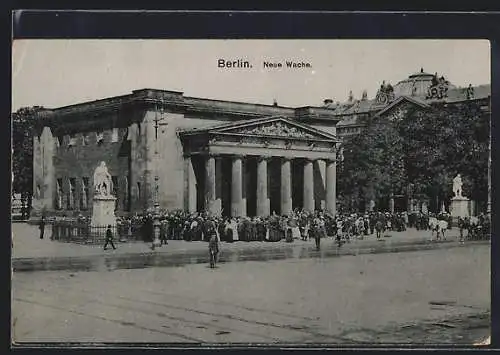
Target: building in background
(420, 89)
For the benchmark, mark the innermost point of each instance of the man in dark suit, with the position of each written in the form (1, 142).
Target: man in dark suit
(109, 238)
(42, 227)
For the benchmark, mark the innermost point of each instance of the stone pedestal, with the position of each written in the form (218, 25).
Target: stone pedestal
(103, 212)
(459, 207)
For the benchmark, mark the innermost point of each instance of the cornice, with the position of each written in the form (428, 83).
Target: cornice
(176, 101)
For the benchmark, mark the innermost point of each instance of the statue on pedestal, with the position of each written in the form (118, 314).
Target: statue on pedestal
(102, 180)
(460, 205)
(103, 206)
(457, 186)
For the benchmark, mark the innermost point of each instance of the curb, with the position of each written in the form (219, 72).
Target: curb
(153, 259)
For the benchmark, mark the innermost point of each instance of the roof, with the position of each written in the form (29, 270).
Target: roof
(460, 94)
(416, 84)
(357, 106)
(413, 100)
(414, 89)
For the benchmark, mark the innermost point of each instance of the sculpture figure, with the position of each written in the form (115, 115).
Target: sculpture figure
(457, 186)
(102, 180)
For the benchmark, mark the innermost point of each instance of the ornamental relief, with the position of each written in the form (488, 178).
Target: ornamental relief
(279, 129)
(438, 89)
(385, 94)
(398, 113)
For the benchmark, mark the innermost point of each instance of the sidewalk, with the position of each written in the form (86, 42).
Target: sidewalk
(27, 244)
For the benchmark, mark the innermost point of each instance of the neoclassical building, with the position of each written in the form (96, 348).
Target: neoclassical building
(196, 154)
(229, 158)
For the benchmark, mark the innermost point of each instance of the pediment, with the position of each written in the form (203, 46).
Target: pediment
(400, 108)
(274, 127)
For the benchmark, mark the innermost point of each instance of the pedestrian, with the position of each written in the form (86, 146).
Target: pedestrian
(42, 227)
(213, 249)
(317, 233)
(109, 238)
(461, 227)
(164, 232)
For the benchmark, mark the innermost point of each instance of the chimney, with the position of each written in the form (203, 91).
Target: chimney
(327, 102)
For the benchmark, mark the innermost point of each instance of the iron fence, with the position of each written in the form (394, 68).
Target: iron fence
(84, 233)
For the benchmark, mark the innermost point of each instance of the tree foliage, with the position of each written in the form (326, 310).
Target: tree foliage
(426, 149)
(23, 130)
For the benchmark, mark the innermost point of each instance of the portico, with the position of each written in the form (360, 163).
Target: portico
(258, 167)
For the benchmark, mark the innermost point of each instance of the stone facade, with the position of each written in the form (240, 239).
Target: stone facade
(138, 137)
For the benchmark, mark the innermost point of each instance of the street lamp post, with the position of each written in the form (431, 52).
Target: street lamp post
(156, 218)
(156, 213)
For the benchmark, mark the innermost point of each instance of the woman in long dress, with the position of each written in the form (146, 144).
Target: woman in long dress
(234, 227)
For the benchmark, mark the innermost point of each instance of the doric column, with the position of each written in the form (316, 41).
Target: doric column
(391, 202)
(190, 178)
(210, 192)
(308, 186)
(286, 187)
(262, 197)
(236, 187)
(331, 186)
(320, 190)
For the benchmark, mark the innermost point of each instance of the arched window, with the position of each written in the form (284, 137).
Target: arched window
(125, 194)
(85, 193)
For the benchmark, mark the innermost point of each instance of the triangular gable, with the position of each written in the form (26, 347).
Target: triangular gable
(270, 127)
(400, 102)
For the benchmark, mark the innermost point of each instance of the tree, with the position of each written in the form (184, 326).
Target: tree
(23, 127)
(443, 142)
(424, 149)
(372, 166)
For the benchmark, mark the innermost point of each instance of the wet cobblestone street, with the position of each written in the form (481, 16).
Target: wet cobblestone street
(435, 296)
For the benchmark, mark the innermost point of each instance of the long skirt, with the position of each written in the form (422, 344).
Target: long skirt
(275, 234)
(295, 232)
(229, 235)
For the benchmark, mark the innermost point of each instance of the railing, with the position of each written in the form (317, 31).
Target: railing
(84, 233)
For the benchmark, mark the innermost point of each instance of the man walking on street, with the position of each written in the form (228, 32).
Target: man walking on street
(42, 227)
(109, 238)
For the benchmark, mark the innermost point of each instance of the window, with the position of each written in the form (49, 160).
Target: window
(38, 192)
(72, 140)
(85, 139)
(125, 194)
(72, 194)
(114, 135)
(85, 193)
(139, 191)
(114, 180)
(59, 194)
(99, 137)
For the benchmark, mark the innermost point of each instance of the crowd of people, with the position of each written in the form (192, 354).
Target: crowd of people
(180, 225)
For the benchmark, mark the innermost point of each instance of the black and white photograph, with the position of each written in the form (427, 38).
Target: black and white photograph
(268, 192)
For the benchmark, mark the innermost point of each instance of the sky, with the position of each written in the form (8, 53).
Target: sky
(55, 73)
